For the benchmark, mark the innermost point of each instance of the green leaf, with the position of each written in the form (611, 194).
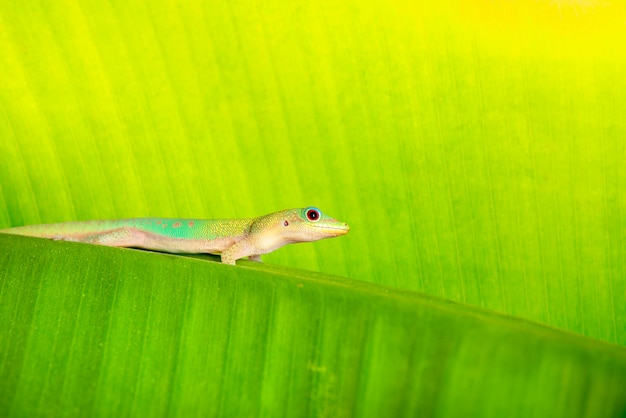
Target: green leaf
(475, 149)
(96, 331)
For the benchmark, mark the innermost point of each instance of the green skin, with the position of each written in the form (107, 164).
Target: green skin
(231, 238)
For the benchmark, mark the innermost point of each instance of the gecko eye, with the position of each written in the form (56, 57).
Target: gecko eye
(286, 223)
(313, 214)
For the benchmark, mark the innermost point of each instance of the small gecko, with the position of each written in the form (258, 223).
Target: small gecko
(231, 238)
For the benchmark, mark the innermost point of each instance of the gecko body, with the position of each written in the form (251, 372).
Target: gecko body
(231, 238)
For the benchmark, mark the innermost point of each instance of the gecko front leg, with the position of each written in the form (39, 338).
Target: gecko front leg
(240, 249)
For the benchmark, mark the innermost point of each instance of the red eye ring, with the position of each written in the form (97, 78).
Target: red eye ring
(313, 214)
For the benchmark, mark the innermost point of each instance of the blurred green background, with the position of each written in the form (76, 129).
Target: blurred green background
(475, 148)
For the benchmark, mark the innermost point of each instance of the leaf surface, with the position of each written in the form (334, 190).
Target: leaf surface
(98, 331)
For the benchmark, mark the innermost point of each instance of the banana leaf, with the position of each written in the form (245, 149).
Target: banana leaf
(475, 148)
(96, 331)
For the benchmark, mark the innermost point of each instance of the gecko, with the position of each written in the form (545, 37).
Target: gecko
(232, 239)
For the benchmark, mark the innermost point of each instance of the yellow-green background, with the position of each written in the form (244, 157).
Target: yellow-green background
(476, 148)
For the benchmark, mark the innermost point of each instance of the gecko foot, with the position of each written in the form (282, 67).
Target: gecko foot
(63, 238)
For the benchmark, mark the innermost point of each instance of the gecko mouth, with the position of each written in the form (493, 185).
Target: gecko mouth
(336, 230)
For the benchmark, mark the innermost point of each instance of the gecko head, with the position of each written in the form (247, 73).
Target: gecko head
(296, 225)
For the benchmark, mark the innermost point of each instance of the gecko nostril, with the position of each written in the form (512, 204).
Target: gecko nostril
(286, 223)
